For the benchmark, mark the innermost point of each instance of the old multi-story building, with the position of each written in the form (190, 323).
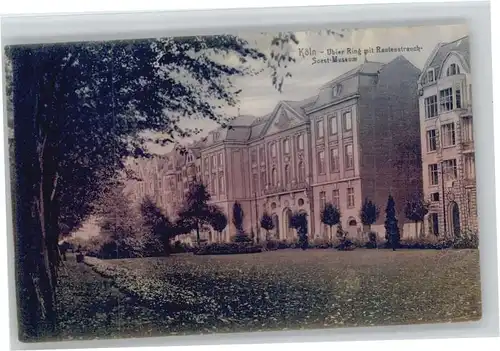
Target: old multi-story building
(342, 145)
(448, 150)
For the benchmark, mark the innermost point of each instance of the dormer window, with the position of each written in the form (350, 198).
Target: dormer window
(216, 136)
(430, 76)
(452, 70)
(336, 90)
(190, 158)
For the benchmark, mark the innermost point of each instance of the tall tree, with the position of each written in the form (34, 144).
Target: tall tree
(416, 210)
(369, 213)
(391, 224)
(218, 221)
(266, 223)
(238, 216)
(196, 211)
(159, 228)
(299, 222)
(330, 215)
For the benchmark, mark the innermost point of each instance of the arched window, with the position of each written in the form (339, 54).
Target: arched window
(274, 177)
(453, 69)
(302, 172)
(287, 174)
(273, 150)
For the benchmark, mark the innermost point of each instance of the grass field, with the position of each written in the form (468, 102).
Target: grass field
(292, 289)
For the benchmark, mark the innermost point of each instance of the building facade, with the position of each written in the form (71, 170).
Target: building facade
(342, 145)
(448, 151)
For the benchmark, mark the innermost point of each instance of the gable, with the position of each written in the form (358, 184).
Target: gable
(282, 119)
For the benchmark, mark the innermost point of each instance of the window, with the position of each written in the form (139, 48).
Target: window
(334, 160)
(453, 69)
(189, 158)
(300, 142)
(336, 198)
(255, 181)
(434, 218)
(274, 177)
(349, 157)
(433, 174)
(302, 172)
(221, 183)
(287, 175)
(273, 150)
(320, 129)
(214, 161)
(220, 159)
(333, 124)
(430, 76)
(470, 169)
(448, 134)
(286, 146)
(206, 164)
(431, 107)
(435, 197)
(446, 99)
(458, 97)
(450, 169)
(263, 180)
(336, 90)
(467, 135)
(321, 162)
(261, 154)
(347, 120)
(253, 156)
(322, 200)
(431, 140)
(350, 197)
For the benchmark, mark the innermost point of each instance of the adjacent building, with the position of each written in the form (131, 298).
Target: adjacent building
(447, 140)
(357, 138)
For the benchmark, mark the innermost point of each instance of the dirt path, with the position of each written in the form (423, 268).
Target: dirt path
(91, 307)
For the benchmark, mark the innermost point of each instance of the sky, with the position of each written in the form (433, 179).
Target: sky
(258, 96)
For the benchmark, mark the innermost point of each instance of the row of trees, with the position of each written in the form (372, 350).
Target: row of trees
(414, 210)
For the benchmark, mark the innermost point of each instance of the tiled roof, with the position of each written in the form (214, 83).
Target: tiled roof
(460, 45)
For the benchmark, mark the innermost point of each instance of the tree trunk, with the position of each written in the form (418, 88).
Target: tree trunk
(416, 229)
(36, 211)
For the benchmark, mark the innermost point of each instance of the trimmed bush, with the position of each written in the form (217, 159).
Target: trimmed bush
(467, 240)
(372, 240)
(228, 249)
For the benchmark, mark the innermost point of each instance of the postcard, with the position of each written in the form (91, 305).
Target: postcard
(243, 182)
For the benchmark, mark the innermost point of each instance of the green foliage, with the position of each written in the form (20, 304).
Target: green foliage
(467, 239)
(391, 224)
(369, 212)
(238, 216)
(196, 211)
(228, 249)
(266, 223)
(158, 227)
(299, 222)
(218, 220)
(330, 215)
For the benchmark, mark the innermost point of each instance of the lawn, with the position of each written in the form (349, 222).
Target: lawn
(279, 290)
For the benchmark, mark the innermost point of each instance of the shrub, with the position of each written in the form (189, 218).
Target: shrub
(467, 240)
(228, 249)
(242, 238)
(372, 240)
(319, 243)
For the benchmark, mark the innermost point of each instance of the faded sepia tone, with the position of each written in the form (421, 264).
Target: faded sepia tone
(244, 183)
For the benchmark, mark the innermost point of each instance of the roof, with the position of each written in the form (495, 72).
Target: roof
(442, 50)
(368, 67)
